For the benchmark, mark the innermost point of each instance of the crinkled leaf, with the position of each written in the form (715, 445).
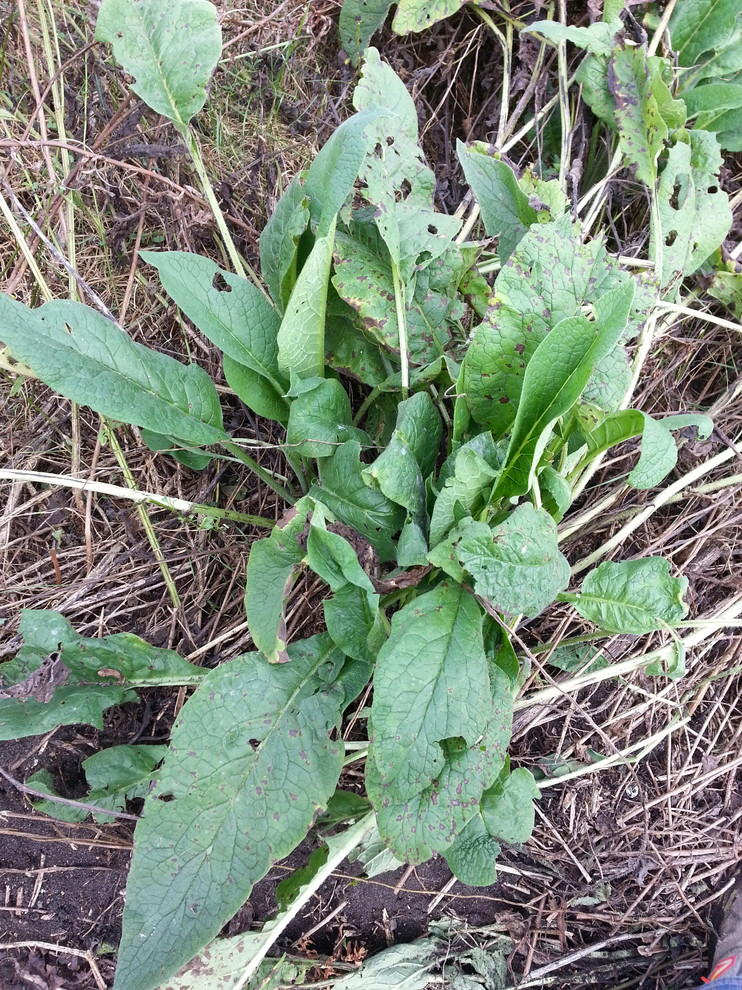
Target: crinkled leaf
(271, 568)
(226, 308)
(556, 495)
(279, 242)
(516, 565)
(555, 378)
(401, 967)
(375, 855)
(506, 212)
(83, 356)
(635, 596)
(350, 352)
(467, 476)
(609, 381)
(301, 336)
(418, 15)
(359, 20)
(641, 128)
(700, 26)
(693, 210)
(431, 684)
(210, 830)
(367, 510)
(170, 48)
(727, 288)
(320, 419)
(472, 857)
(592, 77)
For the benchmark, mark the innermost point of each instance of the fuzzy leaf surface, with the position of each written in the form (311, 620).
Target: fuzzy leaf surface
(170, 48)
(234, 807)
(700, 26)
(226, 308)
(507, 807)
(516, 565)
(320, 419)
(635, 596)
(98, 365)
(472, 857)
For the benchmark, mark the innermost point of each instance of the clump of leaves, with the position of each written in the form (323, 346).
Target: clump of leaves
(429, 508)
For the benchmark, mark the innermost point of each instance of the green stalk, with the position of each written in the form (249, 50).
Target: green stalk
(264, 475)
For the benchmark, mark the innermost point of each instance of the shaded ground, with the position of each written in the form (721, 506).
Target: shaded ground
(629, 860)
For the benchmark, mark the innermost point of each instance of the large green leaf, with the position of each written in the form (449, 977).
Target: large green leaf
(271, 568)
(506, 211)
(226, 308)
(507, 806)
(334, 559)
(597, 38)
(88, 359)
(641, 128)
(359, 20)
(255, 391)
(301, 336)
(516, 565)
(279, 243)
(467, 476)
(170, 47)
(694, 211)
(700, 26)
(345, 493)
(472, 857)
(354, 623)
(431, 684)
(320, 419)
(636, 596)
(218, 819)
(554, 380)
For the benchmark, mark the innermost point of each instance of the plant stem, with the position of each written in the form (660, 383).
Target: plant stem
(135, 495)
(240, 266)
(264, 475)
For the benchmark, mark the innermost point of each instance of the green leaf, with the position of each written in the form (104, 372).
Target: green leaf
(359, 20)
(301, 336)
(289, 887)
(271, 568)
(439, 723)
(334, 560)
(255, 391)
(700, 26)
(101, 673)
(556, 494)
(636, 596)
(516, 565)
(279, 243)
(727, 288)
(43, 781)
(170, 48)
(333, 172)
(554, 380)
(354, 623)
(226, 308)
(350, 352)
(418, 15)
(401, 470)
(694, 211)
(401, 967)
(659, 452)
(345, 493)
(429, 688)
(507, 807)
(592, 77)
(641, 128)
(86, 358)
(582, 657)
(597, 38)
(210, 832)
(320, 419)
(506, 212)
(472, 857)
(466, 478)
(344, 806)
(115, 775)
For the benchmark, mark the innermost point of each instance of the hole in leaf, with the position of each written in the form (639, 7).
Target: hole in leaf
(712, 189)
(675, 198)
(389, 140)
(219, 283)
(432, 229)
(671, 238)
(378, 151)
